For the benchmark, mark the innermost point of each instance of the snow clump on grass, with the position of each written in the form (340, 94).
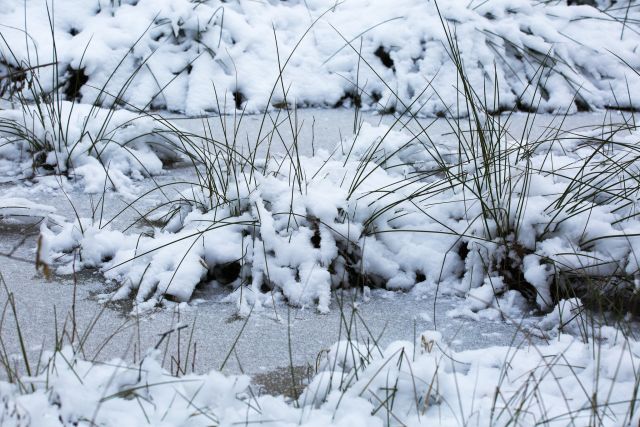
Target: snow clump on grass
(105, 149)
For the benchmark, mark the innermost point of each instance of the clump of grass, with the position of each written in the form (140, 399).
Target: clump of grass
(492, 174)
(50, 111)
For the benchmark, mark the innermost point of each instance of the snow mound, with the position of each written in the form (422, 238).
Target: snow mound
(106, 149)
(214, 55)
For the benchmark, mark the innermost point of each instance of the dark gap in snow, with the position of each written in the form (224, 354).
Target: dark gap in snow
(264, 288)
(510, 268)
(12, 79)
(384, 57)
(616, 295)
(463, 250)
(626, 109)
(376, 96)
(582, 3)
(73, 31)
(315, 239)
(522, 106)
(40, 161)
(225, 273)
(349, 99)
(544, 93)
(499, 109)
(345, 269)
(239, 99)
(388, 108)
(170, 298)
(420, 277)
(514, 278)
(582, 105)
(76, 79)
(282, 105)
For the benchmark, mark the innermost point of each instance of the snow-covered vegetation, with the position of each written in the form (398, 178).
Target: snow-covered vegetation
(410, 384)
(385, 208)
(172, 53)
(516, 222)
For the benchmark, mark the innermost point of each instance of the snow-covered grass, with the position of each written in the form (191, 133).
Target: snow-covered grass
(557, 384)
(172, 53)
(510, 221)
(387, 208)
(106, 149)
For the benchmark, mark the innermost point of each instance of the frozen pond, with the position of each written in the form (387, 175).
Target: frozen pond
(269, 339)
(318, 129)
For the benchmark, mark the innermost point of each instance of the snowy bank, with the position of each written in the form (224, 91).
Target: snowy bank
(196, 57)
(104, 149)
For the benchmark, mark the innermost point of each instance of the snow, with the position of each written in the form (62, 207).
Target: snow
(19, 209)
(422, 383)
(210, 56)
(107, 149)
(513, 223)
